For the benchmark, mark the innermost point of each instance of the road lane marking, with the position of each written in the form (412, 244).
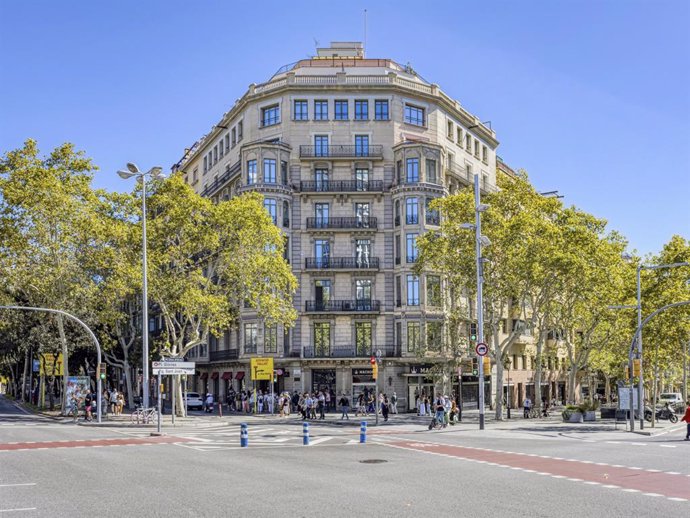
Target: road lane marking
(17, 509)
(17, 485)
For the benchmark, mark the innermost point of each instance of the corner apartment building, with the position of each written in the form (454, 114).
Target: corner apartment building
(347, 151)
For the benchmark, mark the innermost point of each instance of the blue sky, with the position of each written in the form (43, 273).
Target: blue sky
(591, 97)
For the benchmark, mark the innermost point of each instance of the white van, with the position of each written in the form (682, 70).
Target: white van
(674, 399)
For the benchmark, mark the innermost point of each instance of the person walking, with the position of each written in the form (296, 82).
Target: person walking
(394, 403)
(384, 408)
(686, 418)
(527, 406)
(87, 405)
(120, 403)
(113, 401)
(322, 405)
(344, 407)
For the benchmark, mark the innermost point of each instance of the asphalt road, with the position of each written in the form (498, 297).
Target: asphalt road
(198, 470)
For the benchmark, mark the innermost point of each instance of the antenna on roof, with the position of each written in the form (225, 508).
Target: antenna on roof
(316, 43)
(364, 50)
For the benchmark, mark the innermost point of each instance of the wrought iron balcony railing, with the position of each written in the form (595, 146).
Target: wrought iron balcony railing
(341, 185)
(231, 354)
(341, 151)
(352, 351)
(364, 222)
(341, 263)
(343, 305)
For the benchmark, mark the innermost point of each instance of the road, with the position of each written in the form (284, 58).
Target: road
(62, 469)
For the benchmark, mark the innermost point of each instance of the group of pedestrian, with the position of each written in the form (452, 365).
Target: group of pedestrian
(114, 400)
(423, 404)
(310, 404)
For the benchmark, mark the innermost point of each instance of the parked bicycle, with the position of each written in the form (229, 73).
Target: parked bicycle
(144, 416)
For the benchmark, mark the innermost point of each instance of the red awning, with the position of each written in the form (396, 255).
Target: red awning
(239, 375)
(227, 376)
(204, 375)
(214, 376)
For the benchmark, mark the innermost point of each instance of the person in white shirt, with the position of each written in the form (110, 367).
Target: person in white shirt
(527, 405)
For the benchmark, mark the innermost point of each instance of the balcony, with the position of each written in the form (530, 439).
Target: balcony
(250, 349)
(341, 263)
(334, 306)
(411, 259)
(352, 351)
(231, 354)
(432, 219)
(349, 223)
(341, 151)
(341, 186)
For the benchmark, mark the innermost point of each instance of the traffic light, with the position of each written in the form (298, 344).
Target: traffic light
(473, 332)
(487, 366)
(101, 371)
(636, 367)
(373, 360)
(275, 376)
(475, 367)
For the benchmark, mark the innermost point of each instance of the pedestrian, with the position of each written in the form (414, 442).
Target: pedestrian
(453, 412)
(209, 402)
(327, 399)
(384, 408)
(427, 405)
(527, 405)
(260, 401)
(344, 407)
(322, 405)
(686, 418)
(394, 403)
(87, 405)
(113, 401)
(120, 403)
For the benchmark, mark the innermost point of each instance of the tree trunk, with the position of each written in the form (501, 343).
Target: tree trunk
(65, 364)
(25, 375)
(538, 371)
(179, 402)
(572, 380)
(607, 387)
(499, 379)
(128, 381)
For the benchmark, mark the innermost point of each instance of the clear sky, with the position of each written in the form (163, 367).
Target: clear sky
(591, 97)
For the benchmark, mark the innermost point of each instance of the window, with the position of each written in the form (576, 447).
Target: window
(363, 292)
(412, 290)
(239, 131)
(468, 142)
(431, 176)
(269, 170)
(485, 154)
(321, 176)
(412, 170)
(322, 338)
(434, 335)
(286, 249)
(321, 213)
(270, 206)
(234, 137)
(397, 249)
(398, 172)
(468, 167)
(221, 148)
(270, 115)
(449, 130)
(362, 179)
(320, 110)
(301, 111)
(398, 292)
(362, 251)
(250, 332)
(320, 145)
(362, 215)
(411, 247)
(363, 340)
(251, 172)
(205, 164)
(227, 142)
(397, 213)
(286, 214)
(271, 339)
(431, 216)
(411, 211)
(412, 336)
(381, 110)
(414, 115)
(341, 110)
(362, 110)
(283, 172)
(322, 251)
(398, 336)
(195, 175)
(361, 145)
(476, 148)
(458, 138)
(215, 154)
(322, 293)
(433, 290)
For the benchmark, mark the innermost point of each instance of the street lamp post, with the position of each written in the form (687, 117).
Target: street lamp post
(507, 363)
(154, 172)
(479, 242)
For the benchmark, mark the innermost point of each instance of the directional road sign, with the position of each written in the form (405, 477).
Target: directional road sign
(173, 367)
(482, 349)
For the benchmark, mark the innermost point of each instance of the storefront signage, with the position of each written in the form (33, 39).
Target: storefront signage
(420, 369)
(362, 372)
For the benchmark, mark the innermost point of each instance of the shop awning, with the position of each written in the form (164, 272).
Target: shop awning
(204, 375)
(239, 375)
(214, 376)
(227, 376)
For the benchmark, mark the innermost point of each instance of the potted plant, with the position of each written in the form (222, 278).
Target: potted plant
(589, 410)
(572, 414)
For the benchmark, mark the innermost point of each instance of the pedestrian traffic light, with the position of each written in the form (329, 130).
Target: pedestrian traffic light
(487, 366)
(475, 367)
(473, 331)
(101, 370)
(375, 371)
(636, 367)
(373, 360)
(275, 377)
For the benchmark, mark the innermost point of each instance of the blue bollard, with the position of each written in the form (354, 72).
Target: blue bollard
(305, 434)
(244, 435)
(363, 432)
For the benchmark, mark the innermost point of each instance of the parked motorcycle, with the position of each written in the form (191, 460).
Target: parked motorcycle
(665, 412)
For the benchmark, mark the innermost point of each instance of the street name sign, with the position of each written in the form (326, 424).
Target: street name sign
(482, 349)
(173, 367)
